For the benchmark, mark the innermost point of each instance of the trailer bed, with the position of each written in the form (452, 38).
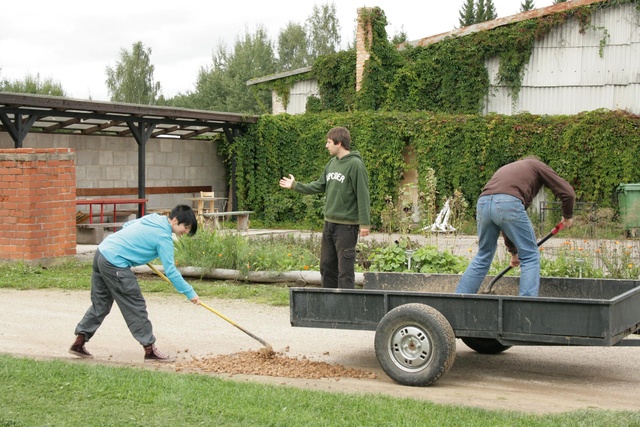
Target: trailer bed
(592, 312)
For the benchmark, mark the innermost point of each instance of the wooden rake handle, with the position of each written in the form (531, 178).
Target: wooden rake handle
(211, 309)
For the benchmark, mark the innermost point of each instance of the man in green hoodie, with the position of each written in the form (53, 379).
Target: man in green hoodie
(346, 186)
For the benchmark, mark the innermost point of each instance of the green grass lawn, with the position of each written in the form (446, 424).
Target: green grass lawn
(59, 393)
(75, 275)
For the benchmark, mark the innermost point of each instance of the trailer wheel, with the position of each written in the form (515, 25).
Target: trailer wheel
(485, 345)
(415, 344)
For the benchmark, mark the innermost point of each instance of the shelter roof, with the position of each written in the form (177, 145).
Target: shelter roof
(279, 76)
(85, 117)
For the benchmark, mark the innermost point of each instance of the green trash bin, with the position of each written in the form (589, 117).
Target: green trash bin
(629, 202)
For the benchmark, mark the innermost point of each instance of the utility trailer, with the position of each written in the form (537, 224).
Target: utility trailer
(417, 317)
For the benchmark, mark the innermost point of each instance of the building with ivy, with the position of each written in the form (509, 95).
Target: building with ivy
(563, 59)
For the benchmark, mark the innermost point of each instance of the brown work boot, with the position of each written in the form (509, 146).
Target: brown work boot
(78, 349)
(152, 354)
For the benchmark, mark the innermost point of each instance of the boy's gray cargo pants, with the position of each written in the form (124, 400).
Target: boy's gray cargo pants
(108, 284)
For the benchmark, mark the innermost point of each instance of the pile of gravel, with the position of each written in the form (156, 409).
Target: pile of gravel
(273, 364)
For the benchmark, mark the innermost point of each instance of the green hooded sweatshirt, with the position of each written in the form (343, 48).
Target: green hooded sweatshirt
(346, 186)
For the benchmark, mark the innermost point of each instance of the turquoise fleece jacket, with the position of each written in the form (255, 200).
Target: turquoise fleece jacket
(141, 241)
(346, 186)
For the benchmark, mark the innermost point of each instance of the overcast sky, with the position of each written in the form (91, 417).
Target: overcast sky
(73, 41)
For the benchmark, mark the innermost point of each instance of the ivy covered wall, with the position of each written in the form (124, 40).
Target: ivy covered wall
(594, 151)
(428, 99)
(449, 76)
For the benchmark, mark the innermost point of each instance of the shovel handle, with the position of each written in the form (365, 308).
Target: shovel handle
(498, 276)
(553, 232)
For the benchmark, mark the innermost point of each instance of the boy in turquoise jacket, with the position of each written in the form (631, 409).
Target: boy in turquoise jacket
(139, 242)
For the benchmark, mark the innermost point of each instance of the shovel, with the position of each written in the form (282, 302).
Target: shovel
(269, 349)
(553, 232)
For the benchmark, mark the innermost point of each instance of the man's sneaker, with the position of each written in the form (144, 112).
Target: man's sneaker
(152, 354)
(78, 349)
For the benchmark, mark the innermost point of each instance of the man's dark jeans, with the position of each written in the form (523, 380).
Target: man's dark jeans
(338, 255)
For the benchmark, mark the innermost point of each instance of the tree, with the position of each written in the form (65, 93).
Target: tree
(292, 48)
(476, 12)
(467, 14)
(527, 5)
(323, 31)
(33, 85)
(223, 85)
(480, 11)
(489, 11)
(252, 57)
(212, 86)
(559, 1)
(399, 37)
(131, 80)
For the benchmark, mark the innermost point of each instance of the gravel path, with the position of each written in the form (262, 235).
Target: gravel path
(40, 323)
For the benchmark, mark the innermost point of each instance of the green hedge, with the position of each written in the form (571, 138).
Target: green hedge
(594, 151)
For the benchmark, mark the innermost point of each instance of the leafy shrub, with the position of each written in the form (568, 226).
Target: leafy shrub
(400, 257)
(429, 259)
(564, 265)
(389, 258)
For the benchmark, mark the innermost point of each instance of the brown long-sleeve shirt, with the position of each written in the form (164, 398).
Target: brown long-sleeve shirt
(524, 179)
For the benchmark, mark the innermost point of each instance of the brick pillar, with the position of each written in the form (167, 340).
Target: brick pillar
(37, 204)
(362, 54)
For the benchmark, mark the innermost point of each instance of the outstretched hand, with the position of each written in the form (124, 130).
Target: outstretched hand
(287, 182)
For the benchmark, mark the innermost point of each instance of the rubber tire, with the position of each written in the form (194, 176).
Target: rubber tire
(485, 345)
(415, 344)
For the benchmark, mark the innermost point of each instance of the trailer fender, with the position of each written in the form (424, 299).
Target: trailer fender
(485, 345)
(415, 344)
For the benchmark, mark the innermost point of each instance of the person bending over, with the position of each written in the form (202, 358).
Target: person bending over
(502, 208)
(139, 242)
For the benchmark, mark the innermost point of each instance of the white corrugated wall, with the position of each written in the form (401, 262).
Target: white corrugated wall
(300, 92)
(567, 75)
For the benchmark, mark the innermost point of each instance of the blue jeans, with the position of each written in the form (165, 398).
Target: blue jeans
(507, 213)
(338, 255)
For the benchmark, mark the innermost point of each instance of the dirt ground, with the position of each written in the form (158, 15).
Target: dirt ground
(40, 324)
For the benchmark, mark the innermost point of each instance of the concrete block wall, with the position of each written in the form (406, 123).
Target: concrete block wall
(109, 162)
(37, 204)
